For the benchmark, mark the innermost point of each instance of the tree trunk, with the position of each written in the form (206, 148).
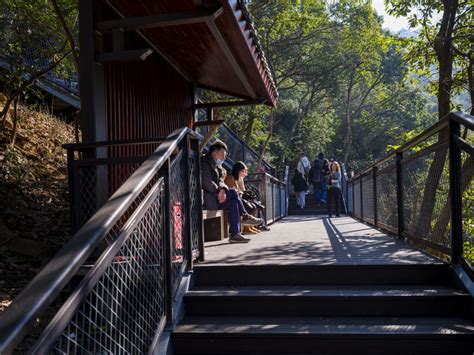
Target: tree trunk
(439, 229)
(269, 136)
(70, 39)
(15, 122)
(249, 128)
(347, 142)
(444, 52)
(470, 76)
(26, 84)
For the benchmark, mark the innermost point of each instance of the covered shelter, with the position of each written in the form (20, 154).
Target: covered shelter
(141, 63)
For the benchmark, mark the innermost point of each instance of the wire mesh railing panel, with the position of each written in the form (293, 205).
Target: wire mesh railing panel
(368, 198)
(234, 146)
(123, 311)
(276, 200)
(425, 179)
(87, 192)
(195, 199)
(357, 199)
(386, 184)
(467, 188)
(282, 201)
(94, 186)
(178, 215)
(350, 188)
(269, 200)
(251, 160)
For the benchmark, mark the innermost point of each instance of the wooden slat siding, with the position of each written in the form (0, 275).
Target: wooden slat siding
(143, 100)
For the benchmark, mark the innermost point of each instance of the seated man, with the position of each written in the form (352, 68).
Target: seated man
(218, 196)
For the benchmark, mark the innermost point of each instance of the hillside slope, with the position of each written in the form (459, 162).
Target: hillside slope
(34, 208)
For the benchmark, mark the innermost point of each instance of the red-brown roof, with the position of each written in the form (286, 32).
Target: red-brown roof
(222, 55)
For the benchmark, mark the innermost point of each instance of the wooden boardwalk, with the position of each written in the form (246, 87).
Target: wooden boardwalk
(317, 240)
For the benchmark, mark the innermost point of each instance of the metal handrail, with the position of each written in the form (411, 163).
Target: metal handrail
(48, 283)
(449, 165)
(459, 117)
(246, 146)
(81, 146)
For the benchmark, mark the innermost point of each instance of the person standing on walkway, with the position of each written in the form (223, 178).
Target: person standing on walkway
(317, 178)
(303, 165)
(218, 196)
(334, 183)
(300, 187)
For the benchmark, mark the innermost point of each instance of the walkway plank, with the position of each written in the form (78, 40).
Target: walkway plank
(317, 240)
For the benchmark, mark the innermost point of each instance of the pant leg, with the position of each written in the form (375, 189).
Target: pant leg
(302, 198)
(324, 191)
(317, 193)
(262, 216)
(337, 198)
(233, 206)
(328, 201)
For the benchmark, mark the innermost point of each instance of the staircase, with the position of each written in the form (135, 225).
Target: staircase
(310, 208)
(325, 309)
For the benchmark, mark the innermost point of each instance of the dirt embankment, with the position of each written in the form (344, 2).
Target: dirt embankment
(34, 208)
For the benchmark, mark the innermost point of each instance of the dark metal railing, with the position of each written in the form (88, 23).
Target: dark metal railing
(272, 192)
(130, 257)
(239, 150)
(423, 191)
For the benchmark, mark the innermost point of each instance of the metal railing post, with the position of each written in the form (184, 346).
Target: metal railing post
(361, 200)
(455, 191)
(399, 158)
(263, 192)
(73, 191)
(374, 187)
(195, 147)
(187, 206)
(168, 247)
(353, 198)
(273, 200)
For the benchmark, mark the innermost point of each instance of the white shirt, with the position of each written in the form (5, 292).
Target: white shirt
(303, 165)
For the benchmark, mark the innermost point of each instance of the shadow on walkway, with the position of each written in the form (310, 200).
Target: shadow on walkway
(317, 240)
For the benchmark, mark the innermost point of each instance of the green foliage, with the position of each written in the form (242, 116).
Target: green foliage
(343, 81)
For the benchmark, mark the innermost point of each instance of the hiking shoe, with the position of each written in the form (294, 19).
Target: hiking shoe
(251, 220)
(238, 238)
(338, 215)
(264, 228)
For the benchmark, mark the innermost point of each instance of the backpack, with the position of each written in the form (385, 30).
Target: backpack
(315, 174)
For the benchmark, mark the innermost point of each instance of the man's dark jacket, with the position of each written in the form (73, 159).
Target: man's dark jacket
(212, 178)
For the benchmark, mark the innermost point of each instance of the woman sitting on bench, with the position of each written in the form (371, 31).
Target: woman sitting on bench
(249, 198)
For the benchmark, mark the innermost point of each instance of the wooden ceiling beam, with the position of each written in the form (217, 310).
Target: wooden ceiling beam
(135, 55)
(229, 103)
(208, 123)
(162, 20)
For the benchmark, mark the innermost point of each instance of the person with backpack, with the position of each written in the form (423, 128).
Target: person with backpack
(300, 187)
(317, 178)
(303, 165)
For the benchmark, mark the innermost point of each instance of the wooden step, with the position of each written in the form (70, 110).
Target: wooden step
(404, 300)
(284, 275)
(318, 335)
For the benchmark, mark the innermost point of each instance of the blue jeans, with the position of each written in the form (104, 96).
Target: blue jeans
(234, 207)
(320, 192)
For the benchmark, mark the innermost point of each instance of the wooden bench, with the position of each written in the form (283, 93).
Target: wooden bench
(215, 225)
